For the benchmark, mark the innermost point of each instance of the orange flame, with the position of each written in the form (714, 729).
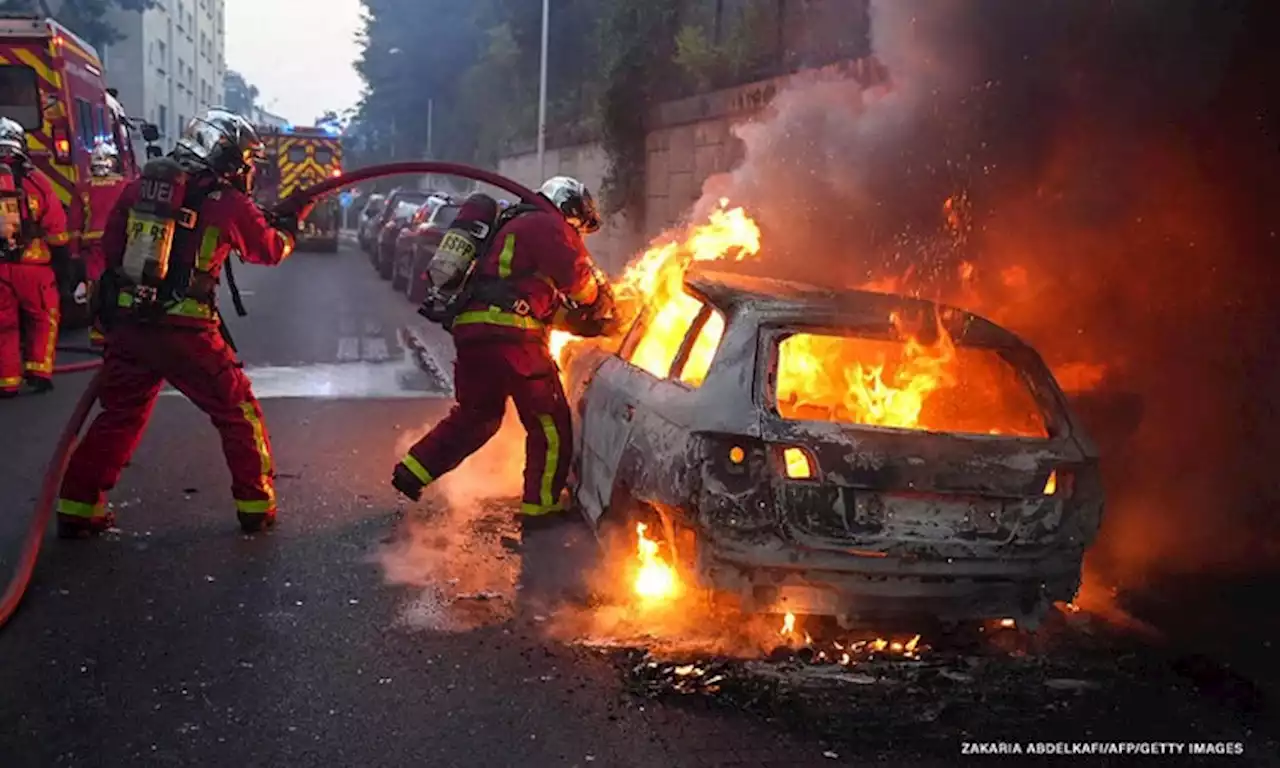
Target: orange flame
(656, 581)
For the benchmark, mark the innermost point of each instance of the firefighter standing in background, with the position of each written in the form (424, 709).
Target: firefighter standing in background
(35, 242)
(105, 186)
(166, 242)
(529, 266)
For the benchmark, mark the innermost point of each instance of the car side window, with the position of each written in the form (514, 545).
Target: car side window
(700, 347)
(664, 336)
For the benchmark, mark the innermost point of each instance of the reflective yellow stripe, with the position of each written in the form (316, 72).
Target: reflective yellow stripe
(61, 239)
(50, 347)
(79, 508)
(208, 245)
(91, 236)
(419, 471)
(255, 506)
(10, 382)
(508, 253)
(259, 440)
(552, 460)
(192, 308)
(185, 308)
(495, 316)
(538, 510)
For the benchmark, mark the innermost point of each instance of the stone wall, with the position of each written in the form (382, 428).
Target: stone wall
(614, 244)
(690, 140)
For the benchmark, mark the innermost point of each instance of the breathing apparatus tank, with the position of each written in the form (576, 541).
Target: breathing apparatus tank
(455, 258)
(153, 225)
(11, 234)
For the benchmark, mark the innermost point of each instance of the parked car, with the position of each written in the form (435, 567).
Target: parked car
(369, 217)
(404, 242)
(401, 215)
(787, 499)
(423, 246)
(414, 196)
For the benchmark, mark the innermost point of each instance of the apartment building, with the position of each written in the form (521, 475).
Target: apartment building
(171, 62)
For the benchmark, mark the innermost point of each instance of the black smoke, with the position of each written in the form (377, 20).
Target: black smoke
(1112, 170)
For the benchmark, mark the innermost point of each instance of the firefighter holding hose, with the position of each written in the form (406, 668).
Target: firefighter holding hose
(166, 243)
(501, 281)
(33, 240)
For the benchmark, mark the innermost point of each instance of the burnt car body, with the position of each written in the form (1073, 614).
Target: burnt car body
(423, 246)
(879, 522)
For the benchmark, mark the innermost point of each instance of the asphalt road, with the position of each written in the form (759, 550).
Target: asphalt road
(361, 632)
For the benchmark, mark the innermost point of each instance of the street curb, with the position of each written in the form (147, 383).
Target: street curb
(428, 361)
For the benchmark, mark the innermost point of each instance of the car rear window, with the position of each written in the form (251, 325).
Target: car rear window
(904, 384)
(443, 216)
(405, 209)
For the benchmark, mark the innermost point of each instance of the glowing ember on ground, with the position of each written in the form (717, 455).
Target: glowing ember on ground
(655, 580)
(1008, 623)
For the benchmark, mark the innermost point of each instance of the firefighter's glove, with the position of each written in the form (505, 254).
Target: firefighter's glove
(290, 219)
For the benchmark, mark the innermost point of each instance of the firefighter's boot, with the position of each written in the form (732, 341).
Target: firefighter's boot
(407, 483)
(40, 384)
(74, 527)
(256, 522)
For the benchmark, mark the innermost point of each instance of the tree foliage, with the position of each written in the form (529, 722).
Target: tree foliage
(86, 18)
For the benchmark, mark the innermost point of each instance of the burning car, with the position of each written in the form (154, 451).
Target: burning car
(836, 453)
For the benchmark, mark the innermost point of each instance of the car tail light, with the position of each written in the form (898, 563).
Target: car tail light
(799, 463)
(1060, 483)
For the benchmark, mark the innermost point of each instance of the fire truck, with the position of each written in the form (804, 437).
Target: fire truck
(298, 158)
(51, 82)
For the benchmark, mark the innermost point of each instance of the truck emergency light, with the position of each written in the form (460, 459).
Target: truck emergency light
(61, 146)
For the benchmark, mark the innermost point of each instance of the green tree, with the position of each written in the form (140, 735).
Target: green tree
(86, 18)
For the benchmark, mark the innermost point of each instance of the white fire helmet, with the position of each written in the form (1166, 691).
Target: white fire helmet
(103, 160)
(13, 138)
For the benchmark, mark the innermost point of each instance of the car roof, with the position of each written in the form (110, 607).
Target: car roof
(787, 302)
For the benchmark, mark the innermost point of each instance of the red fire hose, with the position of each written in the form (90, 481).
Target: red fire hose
(50, 486)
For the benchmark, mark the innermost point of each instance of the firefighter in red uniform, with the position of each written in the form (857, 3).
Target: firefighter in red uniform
(105, 185)
(28, 284)
(166, 242)
(529, 265)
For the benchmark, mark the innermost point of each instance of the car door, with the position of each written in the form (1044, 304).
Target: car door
(631, 390)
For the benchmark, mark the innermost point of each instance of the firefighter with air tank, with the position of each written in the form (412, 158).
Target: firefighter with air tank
(33, 242)
(502, 278)
(166, 244)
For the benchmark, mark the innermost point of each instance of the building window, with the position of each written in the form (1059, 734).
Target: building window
(163, 121)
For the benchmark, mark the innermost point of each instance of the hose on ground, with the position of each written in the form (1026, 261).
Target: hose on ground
(50, 486)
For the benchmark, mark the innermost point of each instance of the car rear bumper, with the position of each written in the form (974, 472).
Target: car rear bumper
(770, 575)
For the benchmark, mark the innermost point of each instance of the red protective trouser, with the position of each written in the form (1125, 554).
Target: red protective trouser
(487, 373)
(28, 312)
(199, 364)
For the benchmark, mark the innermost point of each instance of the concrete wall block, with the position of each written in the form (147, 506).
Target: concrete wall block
(683, 191)
(711, 132)
(682, 148)
(709, 161)
(656, 173)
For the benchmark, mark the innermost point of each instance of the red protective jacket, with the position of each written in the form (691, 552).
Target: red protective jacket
(99, 200)
(228, 220)
(542, 258)
(45, 209)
